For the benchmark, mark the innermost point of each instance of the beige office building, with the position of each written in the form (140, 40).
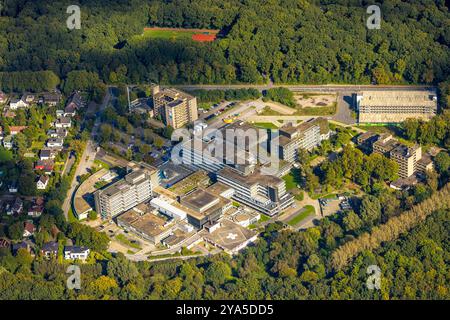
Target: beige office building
(133, 189)
(395, 106)
(176, 108)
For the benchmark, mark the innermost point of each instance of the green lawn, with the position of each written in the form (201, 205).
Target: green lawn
(300, 196)
(263, 218)
(309, 211)
(265, 125)
(37, 145)
(71, 216)
(317, 111)
(164, 34)
(316, 196)
(290, 181)
(101, 164)
(171, 34)
(205, 105)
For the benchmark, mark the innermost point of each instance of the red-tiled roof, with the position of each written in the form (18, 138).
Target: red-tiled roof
(17, 128)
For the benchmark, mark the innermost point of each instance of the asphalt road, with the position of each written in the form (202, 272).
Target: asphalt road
(87, 158)
(312, 88)
(344, 111)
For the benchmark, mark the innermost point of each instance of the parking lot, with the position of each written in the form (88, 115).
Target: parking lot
(330, 206)
(112, 230)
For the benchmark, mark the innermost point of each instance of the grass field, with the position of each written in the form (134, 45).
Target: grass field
(309, 211)
(265, 125)
(101, 164)
(172, 33)
(122, 239)
(263, 218)
(290, 182)
(71, 216)
(292, 179)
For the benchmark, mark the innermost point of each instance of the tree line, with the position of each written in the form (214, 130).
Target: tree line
(286, 41)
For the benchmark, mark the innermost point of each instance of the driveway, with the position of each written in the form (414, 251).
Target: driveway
(344, 108)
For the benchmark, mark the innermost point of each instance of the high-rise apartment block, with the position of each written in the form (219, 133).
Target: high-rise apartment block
(264, 193)
(133, 189)
(176, 108)
(307, 136)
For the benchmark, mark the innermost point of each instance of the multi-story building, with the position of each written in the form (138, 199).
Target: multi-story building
(142, 222)
(395, 106)
(265, 193)
(406, 158)
(176, 108)
(204, 207)
(409, 159)
(307, 136)
(135, 188)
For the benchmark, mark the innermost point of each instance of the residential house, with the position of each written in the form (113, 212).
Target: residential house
(45, 165)
(59, 113)
(46, 154)
(8, 142)
(4, 243)
(29, 229)
(42, 182)
(50, 249)
(16, 208)
(77, 100)
(52, 133)
(55, 143)
(28, 98)
(51, 98)
(16, 129)
(76, 253)
(70, 110)
(63, 122)
(57, 133)
(21, 245)
(61, 133)
(13, 187)
(35, 211)
(3, 97)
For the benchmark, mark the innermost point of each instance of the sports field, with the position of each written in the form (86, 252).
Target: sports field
(199, 35)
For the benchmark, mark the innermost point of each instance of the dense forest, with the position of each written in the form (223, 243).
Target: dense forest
(287, 41)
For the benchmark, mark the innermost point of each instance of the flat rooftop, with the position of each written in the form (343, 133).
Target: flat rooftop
(399, 98)
(170, 174)
(251, 179)
(190, 182)
(123, 185)
(147, 223)
(199, 199)
(170, 94)
(403, 150)
(218, 188)
(388, 145)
